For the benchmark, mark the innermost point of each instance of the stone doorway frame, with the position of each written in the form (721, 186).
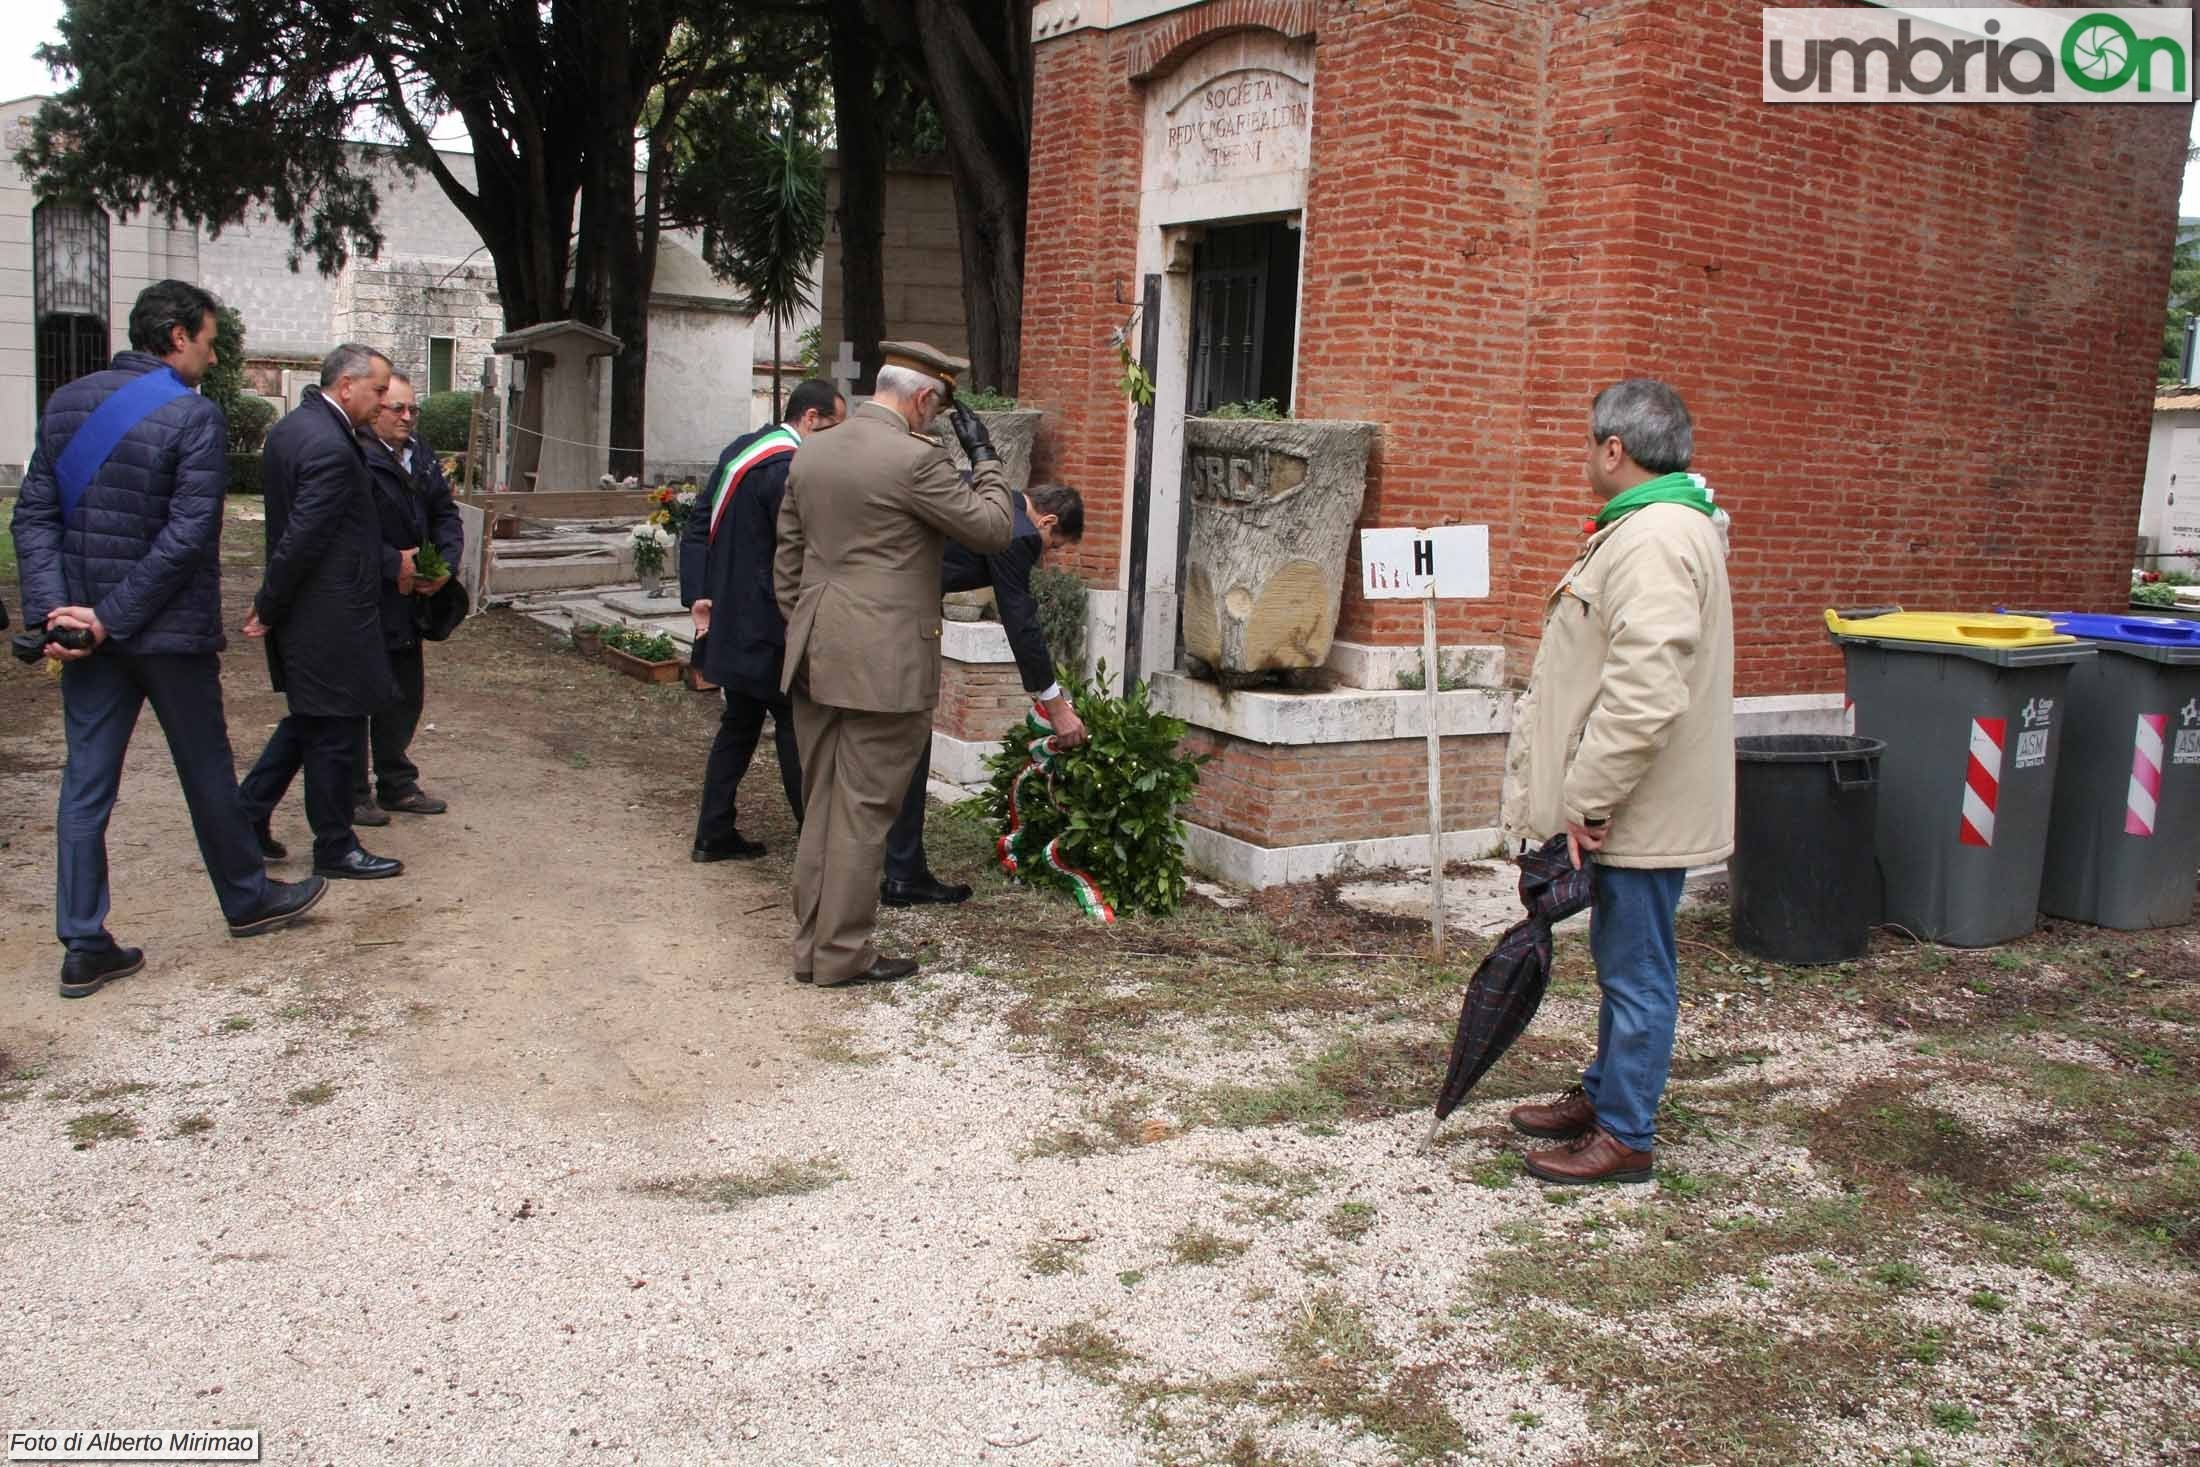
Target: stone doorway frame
(1171, 221)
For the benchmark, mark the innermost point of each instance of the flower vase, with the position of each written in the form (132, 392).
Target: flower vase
(652, 583)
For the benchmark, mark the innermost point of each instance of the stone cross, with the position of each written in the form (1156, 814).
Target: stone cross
(846, 369)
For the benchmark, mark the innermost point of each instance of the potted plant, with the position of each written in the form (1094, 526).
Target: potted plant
(651, 544)
(642, 656)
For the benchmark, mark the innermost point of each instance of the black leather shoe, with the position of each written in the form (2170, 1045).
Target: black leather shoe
(930, 889)
(287, 901)
(357, 865)
(82, 974)
(363, 812)
(885, 970)
(732, 848)
(415, 801)
(271, 849)
(805, 978)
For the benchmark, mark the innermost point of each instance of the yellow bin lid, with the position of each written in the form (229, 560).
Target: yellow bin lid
(1963, 629)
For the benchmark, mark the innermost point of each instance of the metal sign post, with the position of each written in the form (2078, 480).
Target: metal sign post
(1452, 561)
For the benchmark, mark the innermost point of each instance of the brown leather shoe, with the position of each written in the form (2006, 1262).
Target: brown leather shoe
(1596, 1156)
(1561, 1120)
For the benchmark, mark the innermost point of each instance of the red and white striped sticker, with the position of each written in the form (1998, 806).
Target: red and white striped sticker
(2146, 774)
(1982, 780)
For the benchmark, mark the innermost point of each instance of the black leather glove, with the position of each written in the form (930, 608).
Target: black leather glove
(976, 442)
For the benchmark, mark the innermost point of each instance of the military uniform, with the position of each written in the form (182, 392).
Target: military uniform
(867, 515)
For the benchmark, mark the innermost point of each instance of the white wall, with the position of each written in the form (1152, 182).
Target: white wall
(700, 363)
(2169, 515)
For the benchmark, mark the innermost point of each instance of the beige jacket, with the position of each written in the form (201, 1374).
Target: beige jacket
(1629, 712)
(868, 512)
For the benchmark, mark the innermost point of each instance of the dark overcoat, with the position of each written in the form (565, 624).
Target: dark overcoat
(414, 509)
(321, 599)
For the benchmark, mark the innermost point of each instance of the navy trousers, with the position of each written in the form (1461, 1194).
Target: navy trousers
(385, 738)
(905, 861)
(101, 697)
(325, 749)
(740, 728)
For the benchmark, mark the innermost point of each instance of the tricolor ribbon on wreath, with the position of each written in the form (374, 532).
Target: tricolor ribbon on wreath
(1044, 758)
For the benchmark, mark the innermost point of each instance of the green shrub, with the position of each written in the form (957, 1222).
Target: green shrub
(984, 399)
(1061, 598)
(249, 417)
(1113, 803)
(2155, 593)
(1266, 409)
(445, 418)
(244, 472)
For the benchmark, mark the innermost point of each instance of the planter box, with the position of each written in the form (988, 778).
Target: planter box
(644, 672)
(1272, 507)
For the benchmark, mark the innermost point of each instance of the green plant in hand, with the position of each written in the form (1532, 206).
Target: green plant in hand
(1113, 802)
(429, 565)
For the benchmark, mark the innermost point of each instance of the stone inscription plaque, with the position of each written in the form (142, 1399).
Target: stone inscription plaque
(1241, 124)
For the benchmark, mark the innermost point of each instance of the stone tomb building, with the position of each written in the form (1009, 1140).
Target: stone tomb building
(1917, 340)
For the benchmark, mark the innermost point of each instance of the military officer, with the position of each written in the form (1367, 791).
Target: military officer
(868, 512)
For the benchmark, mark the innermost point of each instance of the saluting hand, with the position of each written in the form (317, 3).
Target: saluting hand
(977, 442)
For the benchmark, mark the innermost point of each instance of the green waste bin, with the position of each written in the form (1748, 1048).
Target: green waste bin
(2125, 839)
(1971, 709)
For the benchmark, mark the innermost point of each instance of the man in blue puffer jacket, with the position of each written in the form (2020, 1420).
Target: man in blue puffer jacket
(135, 563)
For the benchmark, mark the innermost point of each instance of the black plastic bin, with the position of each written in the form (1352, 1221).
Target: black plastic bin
(1803, 880)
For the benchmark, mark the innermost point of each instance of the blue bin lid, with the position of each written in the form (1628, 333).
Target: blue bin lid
(2146, 631)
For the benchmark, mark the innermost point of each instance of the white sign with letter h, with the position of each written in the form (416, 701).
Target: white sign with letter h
(1402, 565)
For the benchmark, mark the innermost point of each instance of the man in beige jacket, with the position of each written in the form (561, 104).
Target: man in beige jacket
(868, 511)
(1624, 740)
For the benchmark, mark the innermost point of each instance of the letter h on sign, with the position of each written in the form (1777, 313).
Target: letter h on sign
(1404, 564)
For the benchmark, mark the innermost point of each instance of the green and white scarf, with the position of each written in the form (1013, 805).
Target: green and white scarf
(1681, 488)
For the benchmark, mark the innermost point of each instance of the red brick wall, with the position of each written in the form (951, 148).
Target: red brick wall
(1302, 794)
(1917, 340)
(979, 700)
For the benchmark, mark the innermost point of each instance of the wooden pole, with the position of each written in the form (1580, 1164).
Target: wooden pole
(1432, 683)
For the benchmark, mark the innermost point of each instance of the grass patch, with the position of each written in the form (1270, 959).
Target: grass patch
(1350, 1221)
(836, 1044)
(1338, 1369)
(1498, 1171)
(306, 1097)
(237, 1023)
(1359, 1078)
(1279, 1190)
(1084, 1349)
(783, 1178)
(116, 1092)
(194, 1125)
(1953, 1416)
(94, 1126)
(1121, 1124)
(1050, 1256)
(1203, 1248)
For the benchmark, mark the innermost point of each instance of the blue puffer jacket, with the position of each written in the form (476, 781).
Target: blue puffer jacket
(144, 550)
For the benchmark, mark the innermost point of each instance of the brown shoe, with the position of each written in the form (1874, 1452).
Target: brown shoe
(1561, 1120)
(1597, 1156)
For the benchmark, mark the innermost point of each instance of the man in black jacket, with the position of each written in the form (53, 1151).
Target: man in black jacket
(741, 639)
(124, 546)
(414, 502)
(320, 605)
(1044, 518)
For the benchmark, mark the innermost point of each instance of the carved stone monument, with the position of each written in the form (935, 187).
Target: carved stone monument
(1272, 510)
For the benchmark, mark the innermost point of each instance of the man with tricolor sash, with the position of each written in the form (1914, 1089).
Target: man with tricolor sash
(740, 638)
(1624, 741)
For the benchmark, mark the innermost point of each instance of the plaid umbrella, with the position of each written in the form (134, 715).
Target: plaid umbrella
(1508, 987)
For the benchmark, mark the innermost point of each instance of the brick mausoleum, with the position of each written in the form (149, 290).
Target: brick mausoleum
(1917, 341)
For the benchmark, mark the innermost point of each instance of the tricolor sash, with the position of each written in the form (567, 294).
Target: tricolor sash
(776, 443)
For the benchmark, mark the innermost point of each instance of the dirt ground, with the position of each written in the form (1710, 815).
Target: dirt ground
(537, 1155)
(552, 915)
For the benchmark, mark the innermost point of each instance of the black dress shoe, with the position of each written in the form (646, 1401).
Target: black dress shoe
(415, 801)
(929, 889)
(732, 848)
(805, 978)
(885, 970)
(271, 849)
(82, 974)
(357, 865)
(287, 901)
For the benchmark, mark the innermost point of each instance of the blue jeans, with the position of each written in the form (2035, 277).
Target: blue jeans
(101, 696)
(1631, 937)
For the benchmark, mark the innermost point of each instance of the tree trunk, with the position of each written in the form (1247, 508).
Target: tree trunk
(976, 66)
(859, 120)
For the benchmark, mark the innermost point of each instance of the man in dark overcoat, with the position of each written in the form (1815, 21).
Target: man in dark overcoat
(320, 605)
(726, 579)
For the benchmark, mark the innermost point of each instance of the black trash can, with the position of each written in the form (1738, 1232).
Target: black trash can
(1803, 880)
